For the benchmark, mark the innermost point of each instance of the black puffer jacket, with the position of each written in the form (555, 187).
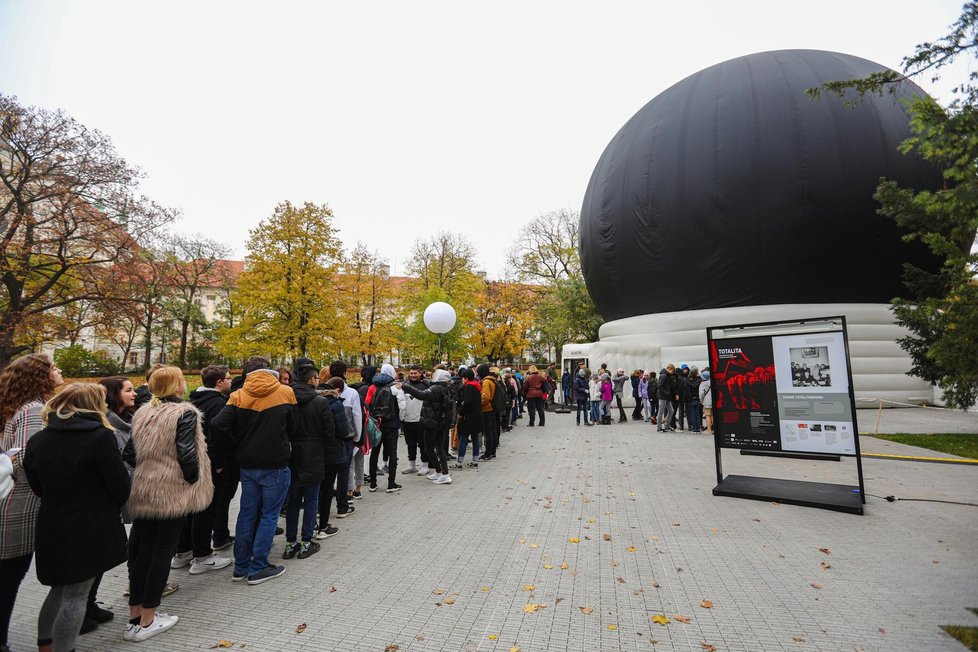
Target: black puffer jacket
(315, 426)
(434, 415)
(582, 391)
(210, 402)
(668, 386)
(339, 447)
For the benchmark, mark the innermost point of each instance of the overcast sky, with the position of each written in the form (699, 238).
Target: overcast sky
(405, 117)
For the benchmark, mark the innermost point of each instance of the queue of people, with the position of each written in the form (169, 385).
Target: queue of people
(92, 457)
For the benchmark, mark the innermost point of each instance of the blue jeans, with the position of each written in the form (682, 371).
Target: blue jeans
(310, 511)
(262, 493)
(594, 411)
(694, 412)
(582, 406)
(462, 441)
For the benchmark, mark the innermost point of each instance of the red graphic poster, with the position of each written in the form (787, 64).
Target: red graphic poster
(745, 393)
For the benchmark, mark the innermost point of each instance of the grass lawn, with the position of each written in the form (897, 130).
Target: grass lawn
(967, 635)
(964, 445)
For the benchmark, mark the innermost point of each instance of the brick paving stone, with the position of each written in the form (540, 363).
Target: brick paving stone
(896, 575)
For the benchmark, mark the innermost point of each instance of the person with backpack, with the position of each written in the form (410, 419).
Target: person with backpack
(607, 393)
(385, 406)
(509, 386)
(666, 392)
(413, 430)
(437, 416)
(490, 420)
(354, 412)
(706, 398)
(470, 417)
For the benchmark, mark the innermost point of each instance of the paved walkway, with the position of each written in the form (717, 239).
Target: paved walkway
(601, 529)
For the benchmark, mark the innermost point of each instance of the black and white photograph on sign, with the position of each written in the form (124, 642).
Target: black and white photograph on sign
(810, 366)
(813, 363)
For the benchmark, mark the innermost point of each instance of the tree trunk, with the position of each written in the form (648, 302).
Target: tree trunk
(184, 327)
(148, 344)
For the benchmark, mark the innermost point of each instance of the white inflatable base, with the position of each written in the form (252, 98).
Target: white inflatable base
(879, 365)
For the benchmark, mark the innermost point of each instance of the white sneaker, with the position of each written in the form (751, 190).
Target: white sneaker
(211, 562)
(444, 479)
(182, 559)
(160, 624)
(130, 632)
(434, 475)
(424, 470)
(410, 469)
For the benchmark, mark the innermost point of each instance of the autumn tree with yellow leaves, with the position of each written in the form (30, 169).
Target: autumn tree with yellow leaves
(285, 299)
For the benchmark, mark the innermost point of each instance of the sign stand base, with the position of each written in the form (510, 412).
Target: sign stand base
(835, 497)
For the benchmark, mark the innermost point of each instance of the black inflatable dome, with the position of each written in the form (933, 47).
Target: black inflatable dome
(732, 188)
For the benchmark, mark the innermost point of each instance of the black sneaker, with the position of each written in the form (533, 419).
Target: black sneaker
(393, 487)
(357, 495)
(265, 574)
(98, 614)
(291, 550)
(309, 548)
(326, 532)
(458, 465)
(223, 545)
(473, 465)
(89, 625)
(372, 488)
(279, 530)
(349, 511)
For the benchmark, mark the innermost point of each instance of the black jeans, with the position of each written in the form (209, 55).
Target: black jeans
(12, 572)
(389, 442)
(535, 405)
(335, 483)
(413, 434)
(437, 449)
(223, 495)
(490, 426)
(621, 410)
(637, 412)
(583, 405)
(196, 533)
(152, 542)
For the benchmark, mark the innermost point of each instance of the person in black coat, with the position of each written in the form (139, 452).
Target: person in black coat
(338, 457)
(75, 467)
(634, 379)
(470, 417)
(582, 396)
(315, 426)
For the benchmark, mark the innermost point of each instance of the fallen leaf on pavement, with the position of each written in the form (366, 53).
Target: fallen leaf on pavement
(573, 540)
(615, 564)
(706, 604)
(514, 649)
(529, 587)
(222, 643)
(563, 566)
(492, 637)
(631, 493)
(419, 637)
(439, 591)
(659, 619)
(449, 600)
(882, 631)
(638, 591)
(558, 601)
(756, 520)
(655, 585)
(607, 536)
(332, 589)
(548, 566)
(620, 580)
(612, 627)
(484, 589)
(533, 608)
(680, 619)
(816, 585)
(586, 610)
(301, 628)
(825, 550)
(631, 549)
(391, 648)
(534, 545)
(797, 639)
(825, 566)
(708, 647)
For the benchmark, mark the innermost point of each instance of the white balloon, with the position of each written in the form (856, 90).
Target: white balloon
(439, 317)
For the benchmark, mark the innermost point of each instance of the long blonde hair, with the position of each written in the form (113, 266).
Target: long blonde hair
(77, 398)
(166, 382)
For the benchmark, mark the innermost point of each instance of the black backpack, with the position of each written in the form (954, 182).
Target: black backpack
(380, 404)
(500, 399)
(450, 404)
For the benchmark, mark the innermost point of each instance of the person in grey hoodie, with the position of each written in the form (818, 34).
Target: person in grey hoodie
(619, 384)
